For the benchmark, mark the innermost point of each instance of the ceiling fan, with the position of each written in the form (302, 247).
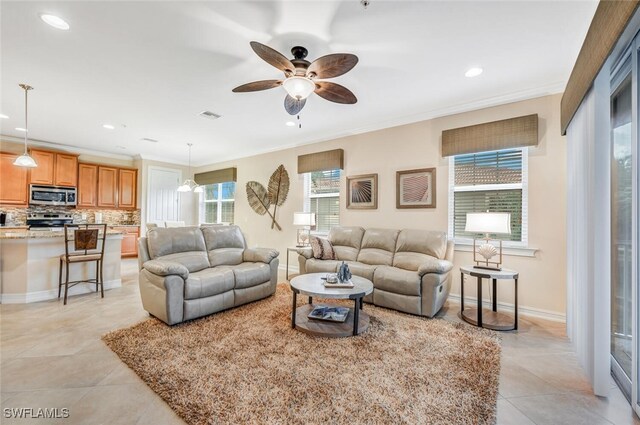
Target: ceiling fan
(302, 77)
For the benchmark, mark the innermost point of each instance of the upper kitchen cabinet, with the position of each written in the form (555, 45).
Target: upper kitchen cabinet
(66, 167)
(87, 185)
(44, 173)
(55, 169)
(13, 190)
(107, 187)
(127, 184)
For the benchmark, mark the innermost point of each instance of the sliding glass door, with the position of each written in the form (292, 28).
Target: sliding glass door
(621, 227)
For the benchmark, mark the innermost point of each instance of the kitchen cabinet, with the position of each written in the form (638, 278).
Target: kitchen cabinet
(13, 189)
(87, 185)
(45, 171)
(66, 170)
(107, 187)
(127, 184)
(54, 169)
(129, 240)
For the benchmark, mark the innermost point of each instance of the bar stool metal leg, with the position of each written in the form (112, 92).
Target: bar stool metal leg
(101, 278)
(60, 279)
(66, 284)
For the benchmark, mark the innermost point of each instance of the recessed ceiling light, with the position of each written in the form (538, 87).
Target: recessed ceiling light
(6, 117)
(21, 129)
(290, 124)
(473, 72)
(54, 21)
(108, 126)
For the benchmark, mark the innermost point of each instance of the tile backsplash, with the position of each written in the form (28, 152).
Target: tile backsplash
(18, 216)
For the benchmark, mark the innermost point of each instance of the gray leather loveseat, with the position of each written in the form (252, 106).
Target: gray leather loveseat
(410, 269)
(190, 272)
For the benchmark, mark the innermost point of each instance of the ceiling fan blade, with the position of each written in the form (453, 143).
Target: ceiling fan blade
(335, 92)
(293, 106)
(334, 65)
(273, 57)
(257, 86)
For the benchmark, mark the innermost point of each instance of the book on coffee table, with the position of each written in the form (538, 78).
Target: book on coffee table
(330, 314)
(347, 284)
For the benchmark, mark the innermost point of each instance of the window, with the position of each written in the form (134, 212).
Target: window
(489, 181)
(217, 203)
(322, 197)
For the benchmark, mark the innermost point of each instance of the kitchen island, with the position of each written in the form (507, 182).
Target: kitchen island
(30, 261)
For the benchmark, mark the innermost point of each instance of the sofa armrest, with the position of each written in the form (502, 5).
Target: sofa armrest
(259, 255)
(306, 252)
(166, 268)
(433, 265)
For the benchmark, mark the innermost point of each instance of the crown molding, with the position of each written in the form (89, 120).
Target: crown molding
(67, 148)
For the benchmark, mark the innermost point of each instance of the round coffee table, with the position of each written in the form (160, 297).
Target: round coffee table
(312, 285)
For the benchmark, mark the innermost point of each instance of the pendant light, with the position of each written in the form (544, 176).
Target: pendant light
(189, 185)
(25, 160)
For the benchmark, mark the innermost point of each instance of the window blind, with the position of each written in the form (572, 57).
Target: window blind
(489, 181)
(499, 167)
(322, 197)
(327, 210)
(488, 200)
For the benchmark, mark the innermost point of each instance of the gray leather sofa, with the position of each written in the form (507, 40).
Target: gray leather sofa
(190, 272)
(410, 269)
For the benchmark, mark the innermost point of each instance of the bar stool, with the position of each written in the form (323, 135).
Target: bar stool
(88, 245)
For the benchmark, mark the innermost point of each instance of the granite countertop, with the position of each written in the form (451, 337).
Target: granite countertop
(123, 225)
(43, 234)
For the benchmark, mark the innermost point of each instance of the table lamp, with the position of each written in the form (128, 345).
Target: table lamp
(305, 220)
(488, 223)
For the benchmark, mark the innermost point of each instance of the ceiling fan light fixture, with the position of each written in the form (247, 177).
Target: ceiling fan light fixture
(299, 87)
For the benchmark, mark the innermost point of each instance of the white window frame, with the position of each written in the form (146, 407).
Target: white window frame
(202, 203)
(518, 247)
(307, 199)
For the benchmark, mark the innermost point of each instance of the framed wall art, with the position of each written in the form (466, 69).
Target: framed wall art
(416, 188)
(362, 192)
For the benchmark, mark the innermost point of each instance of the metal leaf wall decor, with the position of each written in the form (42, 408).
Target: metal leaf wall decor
(278, 189)
(261, 199)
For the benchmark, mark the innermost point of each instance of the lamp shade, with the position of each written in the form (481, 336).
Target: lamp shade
(299, 87)
(304, 219)
(489, 222)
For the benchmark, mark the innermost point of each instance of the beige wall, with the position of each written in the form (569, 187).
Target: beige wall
(542, 278)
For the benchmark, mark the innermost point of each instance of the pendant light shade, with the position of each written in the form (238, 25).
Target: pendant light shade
(25, 160)
(189, 185)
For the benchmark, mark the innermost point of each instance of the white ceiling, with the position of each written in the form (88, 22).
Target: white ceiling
(153, 66)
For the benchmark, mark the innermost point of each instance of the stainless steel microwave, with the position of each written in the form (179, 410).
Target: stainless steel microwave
(52, 195)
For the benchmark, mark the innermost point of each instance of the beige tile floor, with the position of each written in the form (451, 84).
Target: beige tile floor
(52, 356)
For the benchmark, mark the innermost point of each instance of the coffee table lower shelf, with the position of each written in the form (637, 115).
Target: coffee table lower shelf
(329, 329)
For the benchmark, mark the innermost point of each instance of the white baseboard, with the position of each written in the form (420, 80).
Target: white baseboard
(33, 297)
(522, 310)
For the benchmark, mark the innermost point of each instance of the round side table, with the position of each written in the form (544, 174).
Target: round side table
(483, 317)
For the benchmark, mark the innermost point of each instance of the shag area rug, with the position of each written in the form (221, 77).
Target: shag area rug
(247, 365)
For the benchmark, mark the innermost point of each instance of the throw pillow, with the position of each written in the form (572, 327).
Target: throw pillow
(322, 248)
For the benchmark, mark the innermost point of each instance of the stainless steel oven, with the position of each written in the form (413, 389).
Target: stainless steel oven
(52, 195)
